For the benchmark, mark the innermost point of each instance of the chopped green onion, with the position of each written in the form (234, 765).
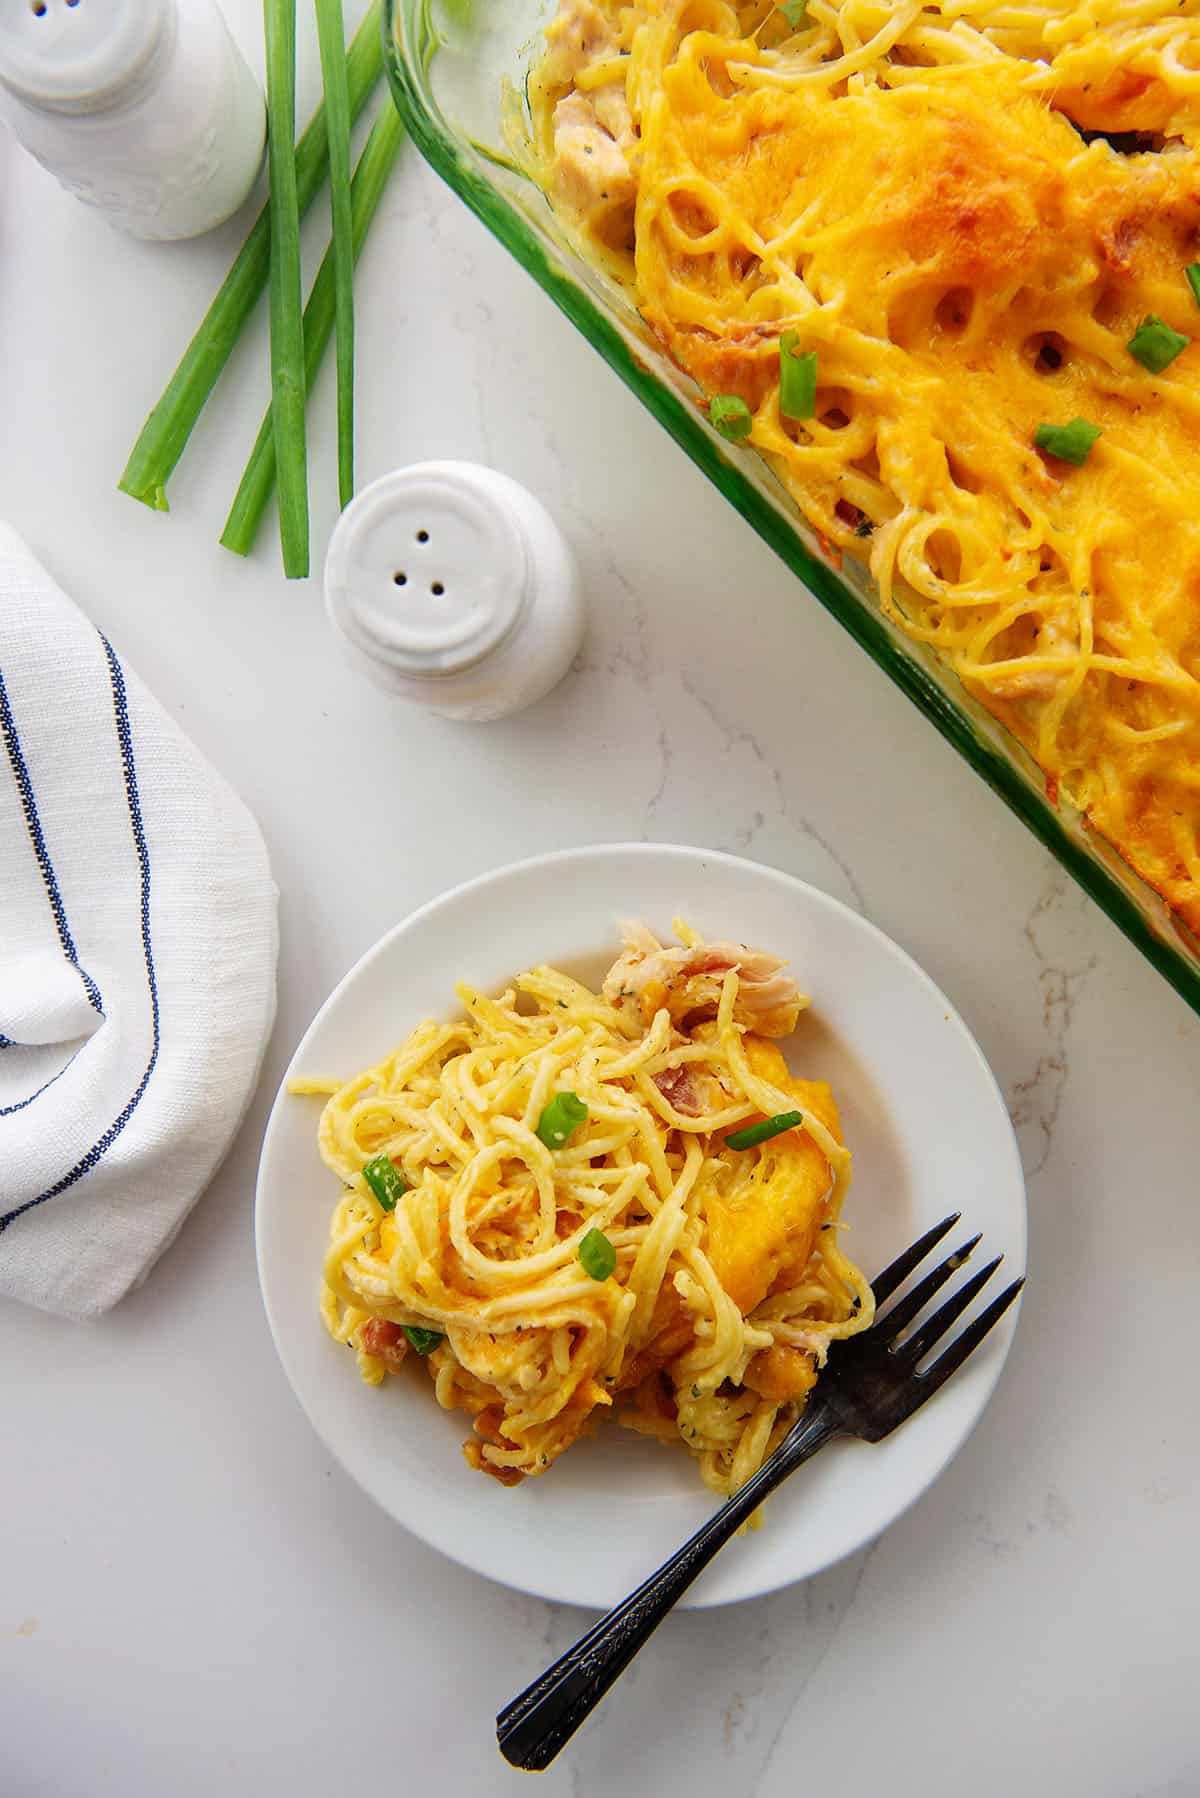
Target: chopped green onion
(385, 1180)
(797, 378)
(731, 416)
(597, 1255)
(1192, 271)
(1070, 443)
(1155, 345)
(424, 1341)
(370, 178)
(795, 12)
(284, 290)
(561, 1118)
(331, 33)
(753, 1134)
(164, 435)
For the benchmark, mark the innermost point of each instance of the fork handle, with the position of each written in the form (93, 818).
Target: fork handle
(533, 1728)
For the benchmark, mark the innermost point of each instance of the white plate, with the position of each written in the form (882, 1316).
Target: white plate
(922, 1115)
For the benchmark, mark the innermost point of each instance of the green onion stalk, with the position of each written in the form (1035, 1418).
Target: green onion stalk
(331, 33)
(1070, 443)
(1155, 345)
(597, 1256)
(385, 1180)
(284, 290)
(797, 378)
(370, 179)
(560, 1119)
(165, 433)
(765, 1129)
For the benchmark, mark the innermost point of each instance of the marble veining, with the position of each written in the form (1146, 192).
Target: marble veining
(1058, 936)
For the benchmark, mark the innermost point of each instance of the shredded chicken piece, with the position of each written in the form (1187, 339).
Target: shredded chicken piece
(612, 112)
(634, 935)
(687, 981)
(1056, 637)
(592, 134)
(590, 169)
(579, 34)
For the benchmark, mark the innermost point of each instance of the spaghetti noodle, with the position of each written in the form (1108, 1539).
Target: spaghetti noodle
(549, 1200)
(979, 221)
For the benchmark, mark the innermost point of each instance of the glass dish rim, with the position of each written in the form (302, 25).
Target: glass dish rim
(410, 44)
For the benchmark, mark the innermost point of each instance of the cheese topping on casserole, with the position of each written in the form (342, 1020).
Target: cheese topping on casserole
(940, 265)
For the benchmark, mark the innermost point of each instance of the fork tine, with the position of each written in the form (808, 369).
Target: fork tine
(927, 1383)
(935, 1327)
(963, 1345)
(885, 1284)
(903, 1312)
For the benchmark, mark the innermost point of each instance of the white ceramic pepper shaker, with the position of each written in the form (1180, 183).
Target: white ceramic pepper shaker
(451, 585)
(145, 109)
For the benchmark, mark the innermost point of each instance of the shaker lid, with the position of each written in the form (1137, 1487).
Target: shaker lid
(77, 55)
(428, 568)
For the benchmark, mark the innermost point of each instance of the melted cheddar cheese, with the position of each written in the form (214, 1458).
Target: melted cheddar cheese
(916, 192)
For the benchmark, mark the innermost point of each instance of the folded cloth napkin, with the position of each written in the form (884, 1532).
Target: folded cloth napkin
(137, 958)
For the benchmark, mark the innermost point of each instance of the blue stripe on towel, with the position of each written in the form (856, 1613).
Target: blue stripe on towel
(7, 1110)
(12, 742)
(125, 739)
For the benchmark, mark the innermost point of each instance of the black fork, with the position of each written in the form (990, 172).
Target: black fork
(870, 1384)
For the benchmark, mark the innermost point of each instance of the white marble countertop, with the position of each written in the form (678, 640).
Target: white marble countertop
(193, 1600)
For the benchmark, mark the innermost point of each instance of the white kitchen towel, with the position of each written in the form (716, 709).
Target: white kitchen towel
(137, 958)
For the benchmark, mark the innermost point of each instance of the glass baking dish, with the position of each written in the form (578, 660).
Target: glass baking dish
(457, 69)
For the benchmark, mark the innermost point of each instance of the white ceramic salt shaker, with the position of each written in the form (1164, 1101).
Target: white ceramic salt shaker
(145, 109)
(451, 585)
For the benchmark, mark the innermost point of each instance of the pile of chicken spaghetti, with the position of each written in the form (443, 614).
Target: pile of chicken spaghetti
(938, 261)
(565, 1203)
